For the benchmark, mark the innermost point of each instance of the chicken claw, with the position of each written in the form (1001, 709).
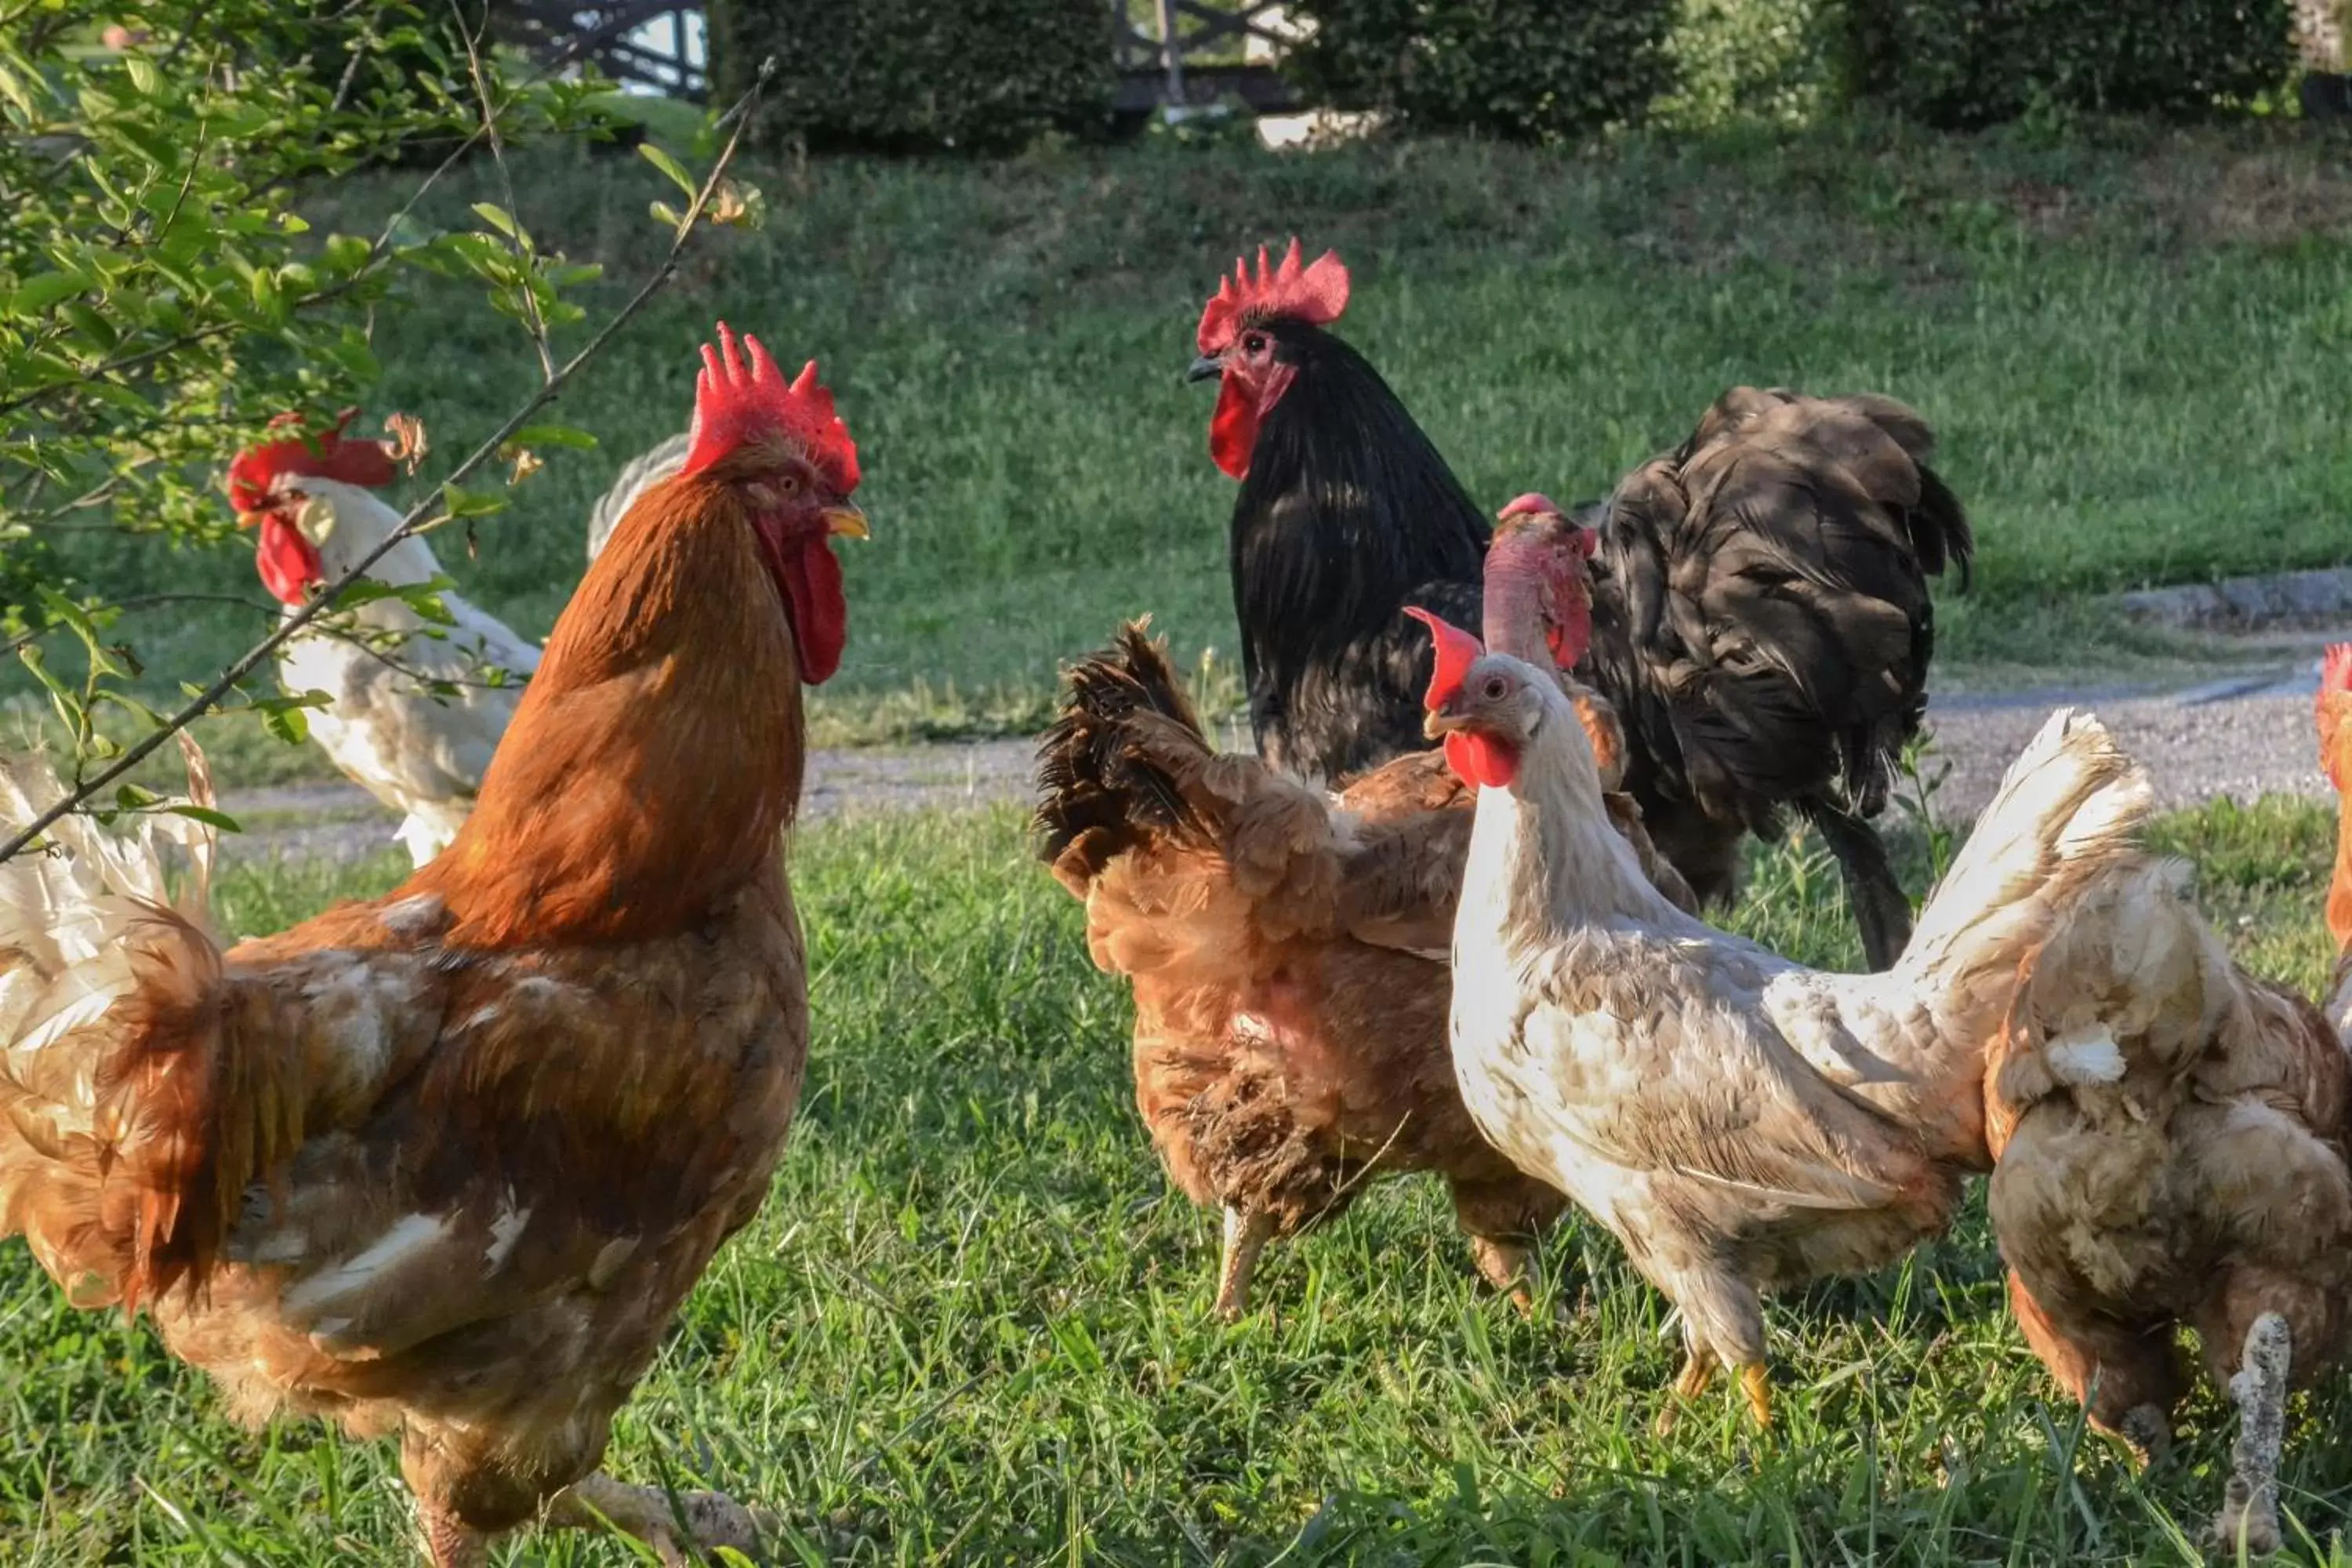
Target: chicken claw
(2250, 1505)
(1756, 1385)
(1698, 1371)
(1245, 1237)
(711, 1520)
(1507, 1266)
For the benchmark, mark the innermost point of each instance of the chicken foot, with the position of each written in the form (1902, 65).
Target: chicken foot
(711, 1520)
(1508, 1266)
(2250, 1504)
(1246, 1234)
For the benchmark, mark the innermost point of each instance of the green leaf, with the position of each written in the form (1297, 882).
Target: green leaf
(42, 290)
(463, 502)
(289, 724)
(669, 166)
(142, 74)
(498, 218)
(205, 815)
(552, 435)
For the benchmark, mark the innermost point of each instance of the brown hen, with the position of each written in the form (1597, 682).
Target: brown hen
(2169, 1134)
(1288, 950)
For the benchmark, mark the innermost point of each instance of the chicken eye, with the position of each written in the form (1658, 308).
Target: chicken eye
(1496, 689)
(788, 486)
(1254, 343)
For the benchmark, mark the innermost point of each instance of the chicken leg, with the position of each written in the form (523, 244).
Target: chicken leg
(1246, 1234)
(712, 1520)
(1698, 1370)
(2250, 1505)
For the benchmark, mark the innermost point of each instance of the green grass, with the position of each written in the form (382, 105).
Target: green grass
(2133, 342)
(971, 1324)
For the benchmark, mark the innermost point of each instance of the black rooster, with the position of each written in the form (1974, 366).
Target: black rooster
(1761, 618)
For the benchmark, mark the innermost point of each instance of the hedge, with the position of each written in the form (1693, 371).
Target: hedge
(1966, 63)
(902, 76)
(1530, 70)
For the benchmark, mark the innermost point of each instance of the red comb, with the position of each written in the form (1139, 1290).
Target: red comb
(1314, 294)
(2335, 670)
(326, 456)
(1535, 503)
(733, 402)
(1458, 650)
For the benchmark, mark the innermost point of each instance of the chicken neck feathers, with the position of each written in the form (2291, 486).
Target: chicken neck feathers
(1347, 514)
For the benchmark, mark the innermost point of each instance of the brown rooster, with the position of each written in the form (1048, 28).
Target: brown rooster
(1287, 947)
(444, 1164)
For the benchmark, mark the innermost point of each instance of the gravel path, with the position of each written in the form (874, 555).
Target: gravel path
(2247, 736)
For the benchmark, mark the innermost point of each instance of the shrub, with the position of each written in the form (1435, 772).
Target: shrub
(918, 75)
(1531, 70)
(1769, 61)
(1967, 63)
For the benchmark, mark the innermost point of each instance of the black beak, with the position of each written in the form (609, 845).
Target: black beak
(1208, 367)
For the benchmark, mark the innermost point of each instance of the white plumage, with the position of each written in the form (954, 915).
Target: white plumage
(421, 752)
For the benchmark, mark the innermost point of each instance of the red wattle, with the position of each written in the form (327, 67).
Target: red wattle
(820, 614)
(289, 562)
(1481, 760)
(1232, 428)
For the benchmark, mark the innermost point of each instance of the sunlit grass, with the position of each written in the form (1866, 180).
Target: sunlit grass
(973, 1323)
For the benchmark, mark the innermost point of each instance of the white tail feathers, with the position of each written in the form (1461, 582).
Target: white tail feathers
(71, 902)
(2070, 805)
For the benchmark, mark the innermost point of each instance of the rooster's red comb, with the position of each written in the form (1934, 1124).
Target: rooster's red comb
(1458, 650)
(1315, 294)
(2336, 670)
(326, 456)
(734, 401)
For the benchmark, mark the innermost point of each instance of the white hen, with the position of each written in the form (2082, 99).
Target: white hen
(420, 752)
(1739, 1123)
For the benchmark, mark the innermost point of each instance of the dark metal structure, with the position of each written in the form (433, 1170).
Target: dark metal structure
(652, 44)
(1168, 53)
(1189, 52)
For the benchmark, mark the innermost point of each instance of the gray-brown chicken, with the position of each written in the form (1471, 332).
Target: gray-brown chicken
(2170, 1138)
(1288, 950)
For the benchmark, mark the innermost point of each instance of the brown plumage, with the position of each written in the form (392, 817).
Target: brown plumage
(1287, 954)
(442, 1164)
(2171, 1137)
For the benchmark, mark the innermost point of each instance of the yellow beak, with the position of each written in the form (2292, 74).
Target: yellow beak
(844, 519)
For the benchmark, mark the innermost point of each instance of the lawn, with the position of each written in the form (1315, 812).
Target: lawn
(972, 1324)
(2133, 341)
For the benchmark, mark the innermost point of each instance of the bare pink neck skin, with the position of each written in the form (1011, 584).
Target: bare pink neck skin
(1515, 599)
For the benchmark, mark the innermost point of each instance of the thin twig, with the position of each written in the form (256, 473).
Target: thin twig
(252, 658)
(533, 318)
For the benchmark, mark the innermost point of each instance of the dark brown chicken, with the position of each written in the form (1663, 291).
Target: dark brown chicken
(1288, 950)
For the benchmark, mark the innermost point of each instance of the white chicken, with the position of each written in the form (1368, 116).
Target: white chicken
(1740, 1123)
(419, 750)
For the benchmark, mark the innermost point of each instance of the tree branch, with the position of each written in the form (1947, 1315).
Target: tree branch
(251, 659)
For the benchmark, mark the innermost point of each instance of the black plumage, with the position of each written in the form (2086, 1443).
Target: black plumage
(1347, 515)
(1761, 617)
